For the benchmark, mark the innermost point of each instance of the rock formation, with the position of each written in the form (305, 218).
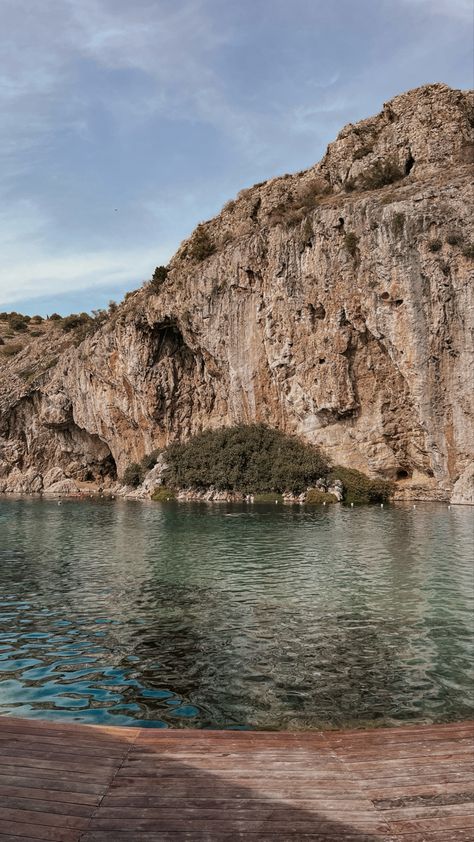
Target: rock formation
(335, 304)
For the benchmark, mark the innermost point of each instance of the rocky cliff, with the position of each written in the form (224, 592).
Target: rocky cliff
(336, 304)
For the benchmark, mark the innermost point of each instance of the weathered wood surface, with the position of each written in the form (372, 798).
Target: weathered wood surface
(74, 783)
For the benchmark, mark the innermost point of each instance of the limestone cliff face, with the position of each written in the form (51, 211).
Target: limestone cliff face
(336, 304)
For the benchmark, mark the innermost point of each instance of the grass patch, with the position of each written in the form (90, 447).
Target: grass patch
(162, 494)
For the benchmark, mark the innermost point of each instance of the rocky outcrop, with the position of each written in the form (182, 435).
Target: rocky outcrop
(335, 304)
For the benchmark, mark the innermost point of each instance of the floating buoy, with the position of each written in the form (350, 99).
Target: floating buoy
(352, 505)
(414, 506)
(324, 502)
(449, 507)
(381, 505)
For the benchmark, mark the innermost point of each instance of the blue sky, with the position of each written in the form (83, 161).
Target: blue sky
(123, 124)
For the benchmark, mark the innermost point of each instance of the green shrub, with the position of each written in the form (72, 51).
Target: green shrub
(251, 459)
(149, 460)
(74, 320)
(36, 333)
(358, 488)
(54, 317)
(11, 349)
(380, 174)
(435, 245)
(133, 475)
(201, 245)
(17, 323)
(315, 497)
(351, 241)
(162, 494)
(159, 277)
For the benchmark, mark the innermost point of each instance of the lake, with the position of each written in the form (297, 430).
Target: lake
(195, 615)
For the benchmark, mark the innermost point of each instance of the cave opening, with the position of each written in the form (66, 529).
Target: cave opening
(402, 473)
(409, 163)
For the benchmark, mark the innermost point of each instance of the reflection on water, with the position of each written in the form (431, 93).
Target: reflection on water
(225, 616)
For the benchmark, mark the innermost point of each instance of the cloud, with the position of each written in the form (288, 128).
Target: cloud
(161, 106)
(61, 274)
(30, 268)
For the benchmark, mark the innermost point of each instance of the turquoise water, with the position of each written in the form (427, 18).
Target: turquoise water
(188, 615)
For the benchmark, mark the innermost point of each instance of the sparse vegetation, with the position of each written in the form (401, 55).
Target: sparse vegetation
(251, 459)
(379, 174)
(74, 320)
(298, 204)
(362, 152)
(398, 222)
(11, 349)
(468, 251)
(453, 238)
(17, 323)
(200, 245)
(159, 277)
(351, 242)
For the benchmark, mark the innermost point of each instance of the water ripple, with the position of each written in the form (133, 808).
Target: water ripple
(201, 616)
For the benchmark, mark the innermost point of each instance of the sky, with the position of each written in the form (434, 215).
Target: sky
(123, 124)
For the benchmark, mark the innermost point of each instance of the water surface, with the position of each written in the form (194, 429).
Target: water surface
(190, 615)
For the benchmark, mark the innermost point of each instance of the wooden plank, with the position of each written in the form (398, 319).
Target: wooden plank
(56, 795)
(61, 782)
(34, 831)
(64, 784)
(41, 818)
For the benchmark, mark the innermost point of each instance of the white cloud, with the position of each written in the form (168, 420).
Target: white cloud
(30, 267)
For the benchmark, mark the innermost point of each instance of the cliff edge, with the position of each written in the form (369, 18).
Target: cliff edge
(336, 304)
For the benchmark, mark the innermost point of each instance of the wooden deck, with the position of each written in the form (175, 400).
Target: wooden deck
(72, 783)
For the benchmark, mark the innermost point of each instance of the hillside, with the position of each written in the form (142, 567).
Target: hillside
(335, 304)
